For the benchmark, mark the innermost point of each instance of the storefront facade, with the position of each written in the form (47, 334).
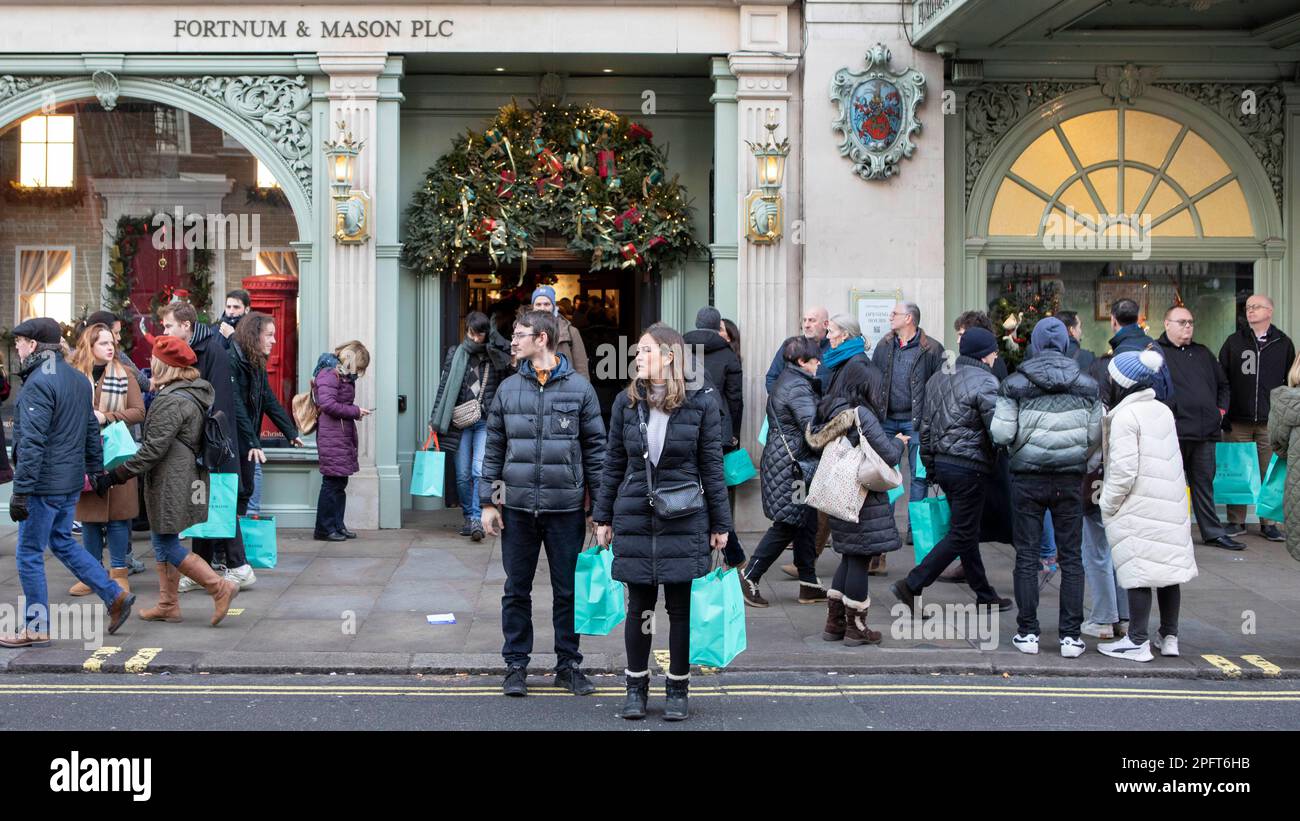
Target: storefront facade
(1053, 150)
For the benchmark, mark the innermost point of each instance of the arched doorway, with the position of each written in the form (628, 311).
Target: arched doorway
(1086, 200)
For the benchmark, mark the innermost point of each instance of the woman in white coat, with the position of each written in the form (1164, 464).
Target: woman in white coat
(1144, 505)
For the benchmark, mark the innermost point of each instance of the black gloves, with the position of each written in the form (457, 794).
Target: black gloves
(18, 507)
(104, 481)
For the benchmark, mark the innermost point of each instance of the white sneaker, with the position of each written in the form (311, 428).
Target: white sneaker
(1126, 649)
(188, 584)
(1072, 648)
(1167, 645)
(243, 575)
(1026, 644)
(1100, 631)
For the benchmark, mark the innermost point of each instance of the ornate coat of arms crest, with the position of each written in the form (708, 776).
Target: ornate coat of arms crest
(877, 114)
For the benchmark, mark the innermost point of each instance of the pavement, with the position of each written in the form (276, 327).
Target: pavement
(360, 607)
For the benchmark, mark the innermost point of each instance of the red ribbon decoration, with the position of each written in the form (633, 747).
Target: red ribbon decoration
(631, 216)
(605, 163)
(638, 131)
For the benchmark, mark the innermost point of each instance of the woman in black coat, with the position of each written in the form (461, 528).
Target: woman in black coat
(785, 473)
(874, 534)
(671, 426)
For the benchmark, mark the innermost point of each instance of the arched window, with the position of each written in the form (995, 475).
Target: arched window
(1119, 170)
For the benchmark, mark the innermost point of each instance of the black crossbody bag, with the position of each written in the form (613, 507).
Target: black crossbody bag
(675, 500)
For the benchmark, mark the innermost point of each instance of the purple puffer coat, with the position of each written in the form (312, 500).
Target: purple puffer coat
(336, 430)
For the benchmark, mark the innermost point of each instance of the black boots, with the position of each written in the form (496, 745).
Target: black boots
(675, 706)
(638, 692)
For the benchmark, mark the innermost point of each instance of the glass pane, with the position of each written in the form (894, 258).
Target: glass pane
(1094, 137)
(1044, 163)
(1136, 183)
(265, 179)
(1163, 200)
(1105, 181)
(59, 128)
(36, 306)
(1179, 225)
(58, 273)
(32, 164)
(1147, 137)
(58, 167)
(33, 130)
(1016, 211)
(1225, 214)
(1196, 165)
(1076, 197)
(58, 306)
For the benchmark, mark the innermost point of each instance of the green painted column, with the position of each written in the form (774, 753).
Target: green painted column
(1288, 295)
(958, 289)
(388, 249)
(726, 190)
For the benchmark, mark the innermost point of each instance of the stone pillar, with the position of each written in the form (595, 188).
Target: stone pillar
(362, 279)
(726, 190)
(1288, 292)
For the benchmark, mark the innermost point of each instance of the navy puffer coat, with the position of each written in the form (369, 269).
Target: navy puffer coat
(787, 457)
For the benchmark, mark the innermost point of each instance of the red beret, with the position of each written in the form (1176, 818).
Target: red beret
(174, 351)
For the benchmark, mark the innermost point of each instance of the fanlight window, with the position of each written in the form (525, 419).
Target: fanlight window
(1116, 172)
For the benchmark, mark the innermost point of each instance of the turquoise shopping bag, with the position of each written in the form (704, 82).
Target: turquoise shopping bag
(1236, 473)
(598, 603)
(717, 618)
(118, 445)
(919, 472)
(737, 467)
(762, 433)
(895, 493)
(930, 518)
(430, 469)
(1269, 502)
(223, 492)
(259, 540)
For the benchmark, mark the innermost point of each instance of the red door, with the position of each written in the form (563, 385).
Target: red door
(151, 271)
(277, 295)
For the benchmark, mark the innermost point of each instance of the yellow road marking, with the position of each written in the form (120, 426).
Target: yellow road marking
(97, 659)
(662, 658)
(1228, 668)
(138, 662)
(1264, 664)
(235, 611)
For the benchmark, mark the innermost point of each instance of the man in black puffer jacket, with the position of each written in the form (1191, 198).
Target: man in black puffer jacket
(958, 452)
(723, 366)
(545, 451)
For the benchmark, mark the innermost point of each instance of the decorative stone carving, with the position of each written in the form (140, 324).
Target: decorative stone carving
(1124, 84)
(279, 108)
(993, 108)
(11, 85)
(877, 114)
(1260, 123)
(106, 89)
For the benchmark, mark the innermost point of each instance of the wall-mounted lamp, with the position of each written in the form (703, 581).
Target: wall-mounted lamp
(763, 206)
(352, 207)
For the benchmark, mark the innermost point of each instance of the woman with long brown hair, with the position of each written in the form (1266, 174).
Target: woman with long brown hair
(117, 398)
(251, 346)
(665, 432)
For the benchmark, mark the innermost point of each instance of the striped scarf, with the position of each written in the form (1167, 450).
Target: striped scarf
(113, 387)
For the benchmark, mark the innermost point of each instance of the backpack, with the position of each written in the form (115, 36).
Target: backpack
(214, 446)
(305, 410)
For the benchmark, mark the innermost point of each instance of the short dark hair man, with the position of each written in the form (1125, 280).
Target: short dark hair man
(1082, 356)
(238, 302)
(56, 446)
(539, 417)
(1129, 336)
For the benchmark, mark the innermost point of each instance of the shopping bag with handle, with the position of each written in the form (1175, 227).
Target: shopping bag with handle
(598, 601)
(762, 433)
(1236, 473)
(429, 471)
(717, 618)
(737, 467)
(119, 446)
(1269, 502)
(259, 540)
(223, 492)
(930, 519)
(895, 493)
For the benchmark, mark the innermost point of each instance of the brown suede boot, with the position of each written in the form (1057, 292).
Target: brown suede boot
(877, 565)
(222, 591)
(856, 631)
(834, 629)
(119, 574)
(169, 606)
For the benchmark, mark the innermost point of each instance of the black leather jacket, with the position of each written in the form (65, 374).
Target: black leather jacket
(958, 411)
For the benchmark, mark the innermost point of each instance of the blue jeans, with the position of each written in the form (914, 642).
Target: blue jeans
(118, 534)
(904, 426)
(167, 548)
(522, 539)
(1047, 549)
(255, 501)
(1109, 600)
(469, 467)
(49, 522)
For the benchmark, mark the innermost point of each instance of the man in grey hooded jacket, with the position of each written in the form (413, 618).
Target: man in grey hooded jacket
(1048, 415)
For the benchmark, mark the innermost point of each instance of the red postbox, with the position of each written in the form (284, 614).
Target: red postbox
(277, 295)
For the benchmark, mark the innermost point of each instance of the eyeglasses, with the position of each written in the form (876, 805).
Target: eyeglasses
(521, 336)
(1257, 306)
(1186, 323)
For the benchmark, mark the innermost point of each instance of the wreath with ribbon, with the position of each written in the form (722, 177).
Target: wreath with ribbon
(580, 172)
(121, 278)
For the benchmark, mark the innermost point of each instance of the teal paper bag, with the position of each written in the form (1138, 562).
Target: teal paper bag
(429, 470)
(118, 445)
(737, 467)
(223, 492)
(762, 433)
(895, 493)
(919, 472)
(1236, 473)
(717, 618)
(1269, 502)
(598, 603)
(259, 540)
(930, 519)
